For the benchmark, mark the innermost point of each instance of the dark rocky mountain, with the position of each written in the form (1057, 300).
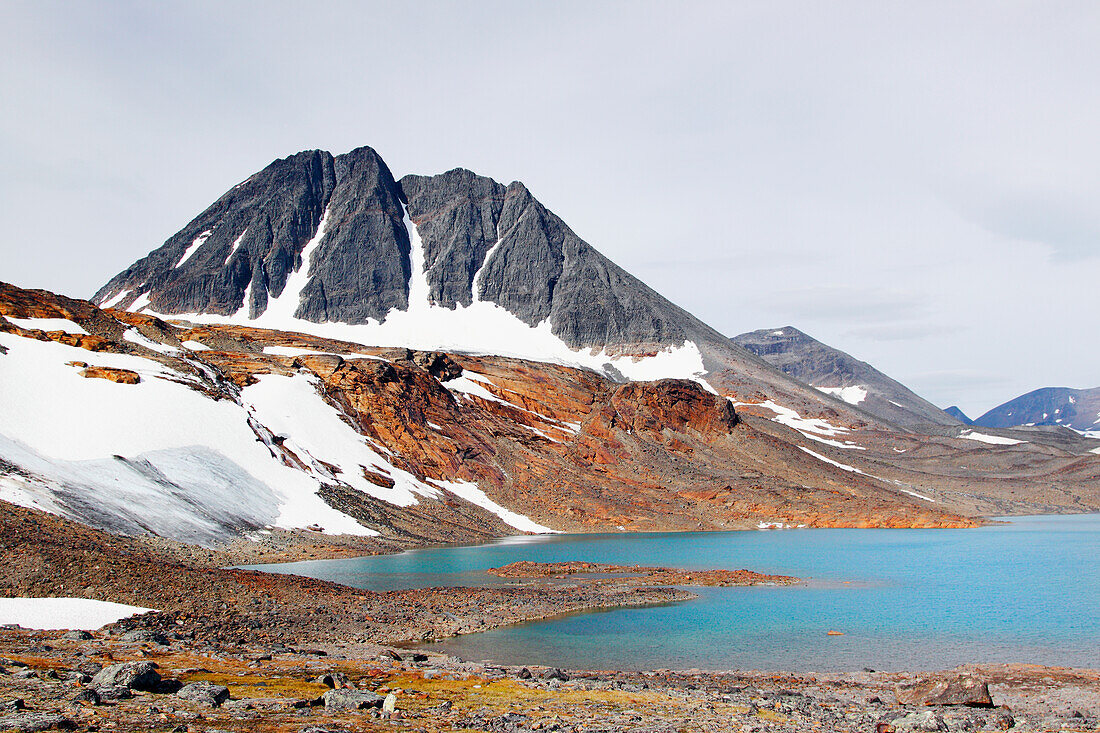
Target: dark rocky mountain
(336, 239)
(1071, 408)
(843, 376)
(959, 415)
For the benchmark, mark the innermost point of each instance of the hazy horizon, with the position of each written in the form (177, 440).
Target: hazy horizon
(915, 185)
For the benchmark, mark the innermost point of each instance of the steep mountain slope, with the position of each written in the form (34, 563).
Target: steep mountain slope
(1070, 408)
(204, 433)
(334, 246)
(839, 374)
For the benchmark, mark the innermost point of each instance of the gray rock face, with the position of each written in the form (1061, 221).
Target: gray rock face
(251, 239)
(808, 360)
(129, 675)
(500, 244)
(1063, 406)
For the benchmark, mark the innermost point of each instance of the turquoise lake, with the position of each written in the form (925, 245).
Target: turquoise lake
(1025, 591)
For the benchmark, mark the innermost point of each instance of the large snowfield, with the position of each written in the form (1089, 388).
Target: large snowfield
(159, 457)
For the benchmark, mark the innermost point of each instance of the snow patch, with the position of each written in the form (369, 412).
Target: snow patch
(112, 302)
(293, 408)
(195, 346)
(135, 336)
(47, 324)
(852, 395)
(471, 493)
(990, 439)
(233, 249)
(194, 246)
(64, 613)
(830, 461)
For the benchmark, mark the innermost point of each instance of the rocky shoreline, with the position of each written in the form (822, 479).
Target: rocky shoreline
(240, 650)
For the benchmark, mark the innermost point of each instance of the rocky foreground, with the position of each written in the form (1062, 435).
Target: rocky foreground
(133, 679)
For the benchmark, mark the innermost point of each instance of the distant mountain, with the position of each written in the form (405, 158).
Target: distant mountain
(959, 415)
(839, 374)
(1071, 408)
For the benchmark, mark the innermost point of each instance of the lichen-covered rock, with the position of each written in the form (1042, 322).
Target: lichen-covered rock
(963, 689)
(351, 700)
(204, 693)
(130, 675)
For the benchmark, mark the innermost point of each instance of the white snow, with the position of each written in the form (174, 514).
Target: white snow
(852, 395)
(71, 429)
(233, 249)
(139, 304)
(282, 309)
(830, 460)
(195, 345)
(913, 493)
(292, 407)
(194, 246)
(471, 493)
(853, 469)
(812, 428)
(990, 439)
(112, 302)
(47, 324)
(298, 351)
(64, 613)
(480, 328)
(778, 333)
(1095, 450)
(135, 336)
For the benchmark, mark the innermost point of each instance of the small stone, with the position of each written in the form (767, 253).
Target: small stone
(390, 703)
(88, 695)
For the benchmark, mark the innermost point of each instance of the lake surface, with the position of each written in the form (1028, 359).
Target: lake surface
(1026, 591)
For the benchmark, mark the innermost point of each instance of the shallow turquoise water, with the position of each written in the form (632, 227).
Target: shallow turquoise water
(1027, 591)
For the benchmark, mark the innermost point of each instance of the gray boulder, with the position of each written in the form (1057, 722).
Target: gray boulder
(204, 693)
(963, 689)
(333, 679)
(130, 675)
(351, 700)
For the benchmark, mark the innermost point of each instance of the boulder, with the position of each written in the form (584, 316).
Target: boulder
(963, 689)
(112, 692)
(333, 679)
(390, 703)
(204, 693)
(76, 635)
(130, 675)
(351, 700)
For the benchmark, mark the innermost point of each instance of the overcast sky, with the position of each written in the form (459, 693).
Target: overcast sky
(917, 184)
